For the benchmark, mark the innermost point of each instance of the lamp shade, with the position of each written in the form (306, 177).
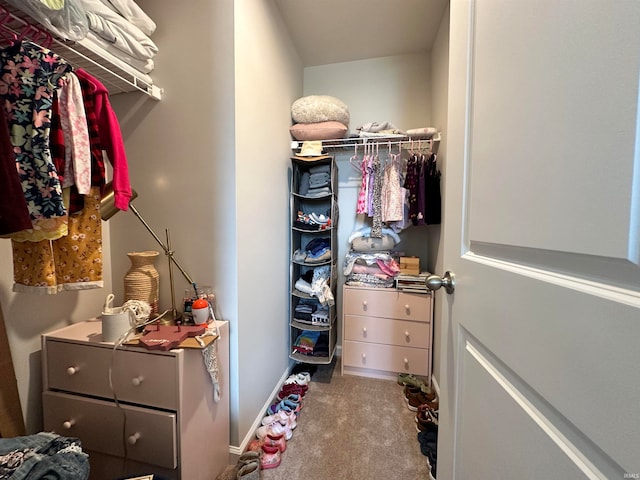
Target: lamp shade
(108, 203)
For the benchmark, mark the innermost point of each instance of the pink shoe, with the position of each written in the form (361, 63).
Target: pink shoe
(283, 417)
(272, 441)
(270, 458)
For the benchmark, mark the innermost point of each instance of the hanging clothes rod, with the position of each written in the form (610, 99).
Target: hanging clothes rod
(353, 142)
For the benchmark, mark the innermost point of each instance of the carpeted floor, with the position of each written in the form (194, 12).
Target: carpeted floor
(351, 428)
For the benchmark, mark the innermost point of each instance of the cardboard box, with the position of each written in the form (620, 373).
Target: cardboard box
(410, 265)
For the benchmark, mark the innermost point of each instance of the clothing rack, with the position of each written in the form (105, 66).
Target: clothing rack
(116, 79)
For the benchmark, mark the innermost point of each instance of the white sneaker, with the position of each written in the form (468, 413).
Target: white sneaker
(274, 429)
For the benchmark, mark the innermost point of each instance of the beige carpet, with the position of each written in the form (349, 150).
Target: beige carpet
(351, 428)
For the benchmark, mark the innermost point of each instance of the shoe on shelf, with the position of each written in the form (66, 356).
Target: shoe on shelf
(414, 400)
(275, 441)
(270, 458)
(249, 471)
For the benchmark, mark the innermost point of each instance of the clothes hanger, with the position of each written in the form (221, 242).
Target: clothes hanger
(7, 35)
(355, 163)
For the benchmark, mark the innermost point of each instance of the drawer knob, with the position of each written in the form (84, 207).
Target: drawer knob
(406, 363)
(364, 304)
(136, 381)
(133, 439)
(364, 331)
(72, 370)
(406, 334)
(406, 307)
(364, 357)
(68, 424)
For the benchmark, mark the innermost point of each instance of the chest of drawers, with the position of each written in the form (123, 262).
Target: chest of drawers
(386, 332)
(137, 411)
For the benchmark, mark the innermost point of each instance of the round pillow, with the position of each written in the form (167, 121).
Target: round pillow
(319, 108)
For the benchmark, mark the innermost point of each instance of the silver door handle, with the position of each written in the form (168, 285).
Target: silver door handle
(448, 281)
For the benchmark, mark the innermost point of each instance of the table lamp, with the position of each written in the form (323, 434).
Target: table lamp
(108, 210)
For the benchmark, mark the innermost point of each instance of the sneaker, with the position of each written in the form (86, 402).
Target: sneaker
(285, 418)
(302, 378)
(410, 389)
(292, 388)
(274, 429)
(414, 400)
(426, 420)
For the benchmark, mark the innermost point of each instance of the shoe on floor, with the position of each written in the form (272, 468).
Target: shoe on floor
(275, 441)
(411, 390)
(414, 400)
(274, 429)
(249, 471)
(270, 458)
(249, 457)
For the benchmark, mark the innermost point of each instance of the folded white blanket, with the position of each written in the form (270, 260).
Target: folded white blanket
(118, 57)
(97, 45)
(133, 13)
(116, 30)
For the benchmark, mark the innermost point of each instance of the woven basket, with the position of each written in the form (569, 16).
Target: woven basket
(142, 281)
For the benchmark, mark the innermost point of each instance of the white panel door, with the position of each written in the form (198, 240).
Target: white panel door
(540, 373)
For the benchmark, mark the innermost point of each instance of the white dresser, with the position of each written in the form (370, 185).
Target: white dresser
(386, 332)
(162, 419)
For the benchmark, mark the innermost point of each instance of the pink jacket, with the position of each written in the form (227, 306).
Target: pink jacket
(110, 139)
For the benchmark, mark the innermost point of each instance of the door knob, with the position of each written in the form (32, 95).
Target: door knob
(448, 281)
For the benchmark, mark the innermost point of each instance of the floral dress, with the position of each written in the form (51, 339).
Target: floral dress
(29, 76)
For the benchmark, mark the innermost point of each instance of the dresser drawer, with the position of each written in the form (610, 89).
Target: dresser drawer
(138, 377)
(386, 303)
(150, 435)
(402, 333)
(385, 357)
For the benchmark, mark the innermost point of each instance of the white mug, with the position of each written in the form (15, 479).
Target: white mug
(115, 323)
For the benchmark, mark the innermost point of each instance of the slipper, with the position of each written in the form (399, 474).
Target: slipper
(248, 457)
(271, 457)
(249, 471)
(411, 379)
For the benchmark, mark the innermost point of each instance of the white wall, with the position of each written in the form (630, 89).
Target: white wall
(268, 76)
